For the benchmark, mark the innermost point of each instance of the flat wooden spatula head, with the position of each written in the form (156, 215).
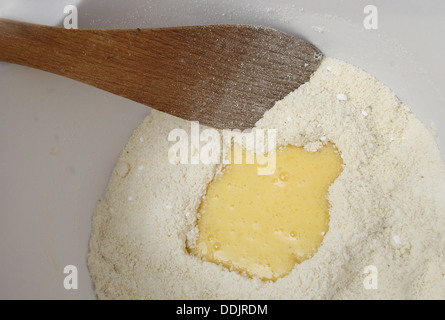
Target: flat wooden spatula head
(233, 74)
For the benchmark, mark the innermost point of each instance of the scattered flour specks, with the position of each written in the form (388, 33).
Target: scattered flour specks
(387, 206)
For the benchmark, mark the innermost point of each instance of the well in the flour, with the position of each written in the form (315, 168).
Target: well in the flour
(263, 225)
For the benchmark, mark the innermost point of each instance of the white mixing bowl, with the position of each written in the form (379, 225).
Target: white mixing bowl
(59, 139)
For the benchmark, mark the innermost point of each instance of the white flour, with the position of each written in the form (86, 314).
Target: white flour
(387, 206)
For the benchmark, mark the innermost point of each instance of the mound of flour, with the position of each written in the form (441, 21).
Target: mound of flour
(387, 210)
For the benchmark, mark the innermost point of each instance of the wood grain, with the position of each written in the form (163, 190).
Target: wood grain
(225, 76)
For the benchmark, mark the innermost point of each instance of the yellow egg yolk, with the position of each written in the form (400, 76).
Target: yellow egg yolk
(262, 225)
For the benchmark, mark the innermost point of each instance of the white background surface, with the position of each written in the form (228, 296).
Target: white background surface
(59, 139)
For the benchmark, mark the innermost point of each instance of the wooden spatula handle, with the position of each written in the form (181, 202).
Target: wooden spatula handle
(102, 58)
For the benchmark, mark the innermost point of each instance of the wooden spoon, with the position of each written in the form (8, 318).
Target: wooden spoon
(224, 76)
